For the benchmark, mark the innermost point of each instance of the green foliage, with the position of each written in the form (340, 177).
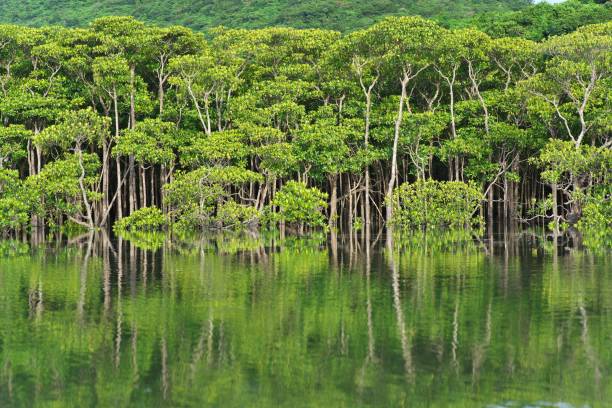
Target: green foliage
(432, 204)
(576, 170)
(103, 120)
(14, 214)
(231, 215)
(151, 141)
(345, 16)
(194, 196)
(323, 149)
(219, 149)
(563, 163)
(13, 141)
(75, 130)
(300, 205)
(58, 187)
(145, 219)
(596, 221)
(17, 202)
(14, 248)
(277, 159)
(545, 20)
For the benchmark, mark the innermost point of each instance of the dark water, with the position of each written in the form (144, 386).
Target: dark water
(250, 322)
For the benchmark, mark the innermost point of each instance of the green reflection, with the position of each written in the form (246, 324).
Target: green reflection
(235, 320)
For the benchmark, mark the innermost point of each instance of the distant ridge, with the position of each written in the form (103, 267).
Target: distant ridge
(342, 15)
(496, 17)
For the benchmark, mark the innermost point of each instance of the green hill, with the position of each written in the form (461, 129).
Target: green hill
(543, 20)
(496, 17)
(342, 15)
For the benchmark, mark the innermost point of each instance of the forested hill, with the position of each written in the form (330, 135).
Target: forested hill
(496, 17)
(544, 20)
(341, 15)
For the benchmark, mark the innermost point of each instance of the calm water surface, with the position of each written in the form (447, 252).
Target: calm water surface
(250, 322)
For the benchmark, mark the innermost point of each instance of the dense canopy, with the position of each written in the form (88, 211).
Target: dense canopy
(301, 128)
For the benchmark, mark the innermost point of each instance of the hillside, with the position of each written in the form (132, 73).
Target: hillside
(544, 20)
(342, 15)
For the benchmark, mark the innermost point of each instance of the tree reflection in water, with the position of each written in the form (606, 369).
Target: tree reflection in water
(243, 320)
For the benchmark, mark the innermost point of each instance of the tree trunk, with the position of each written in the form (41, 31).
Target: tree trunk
(514, 196)
(105, 180)
(398, 125)
(132, 185)
(507, 198)
(350, 203)
(366, 137)
(333, 201)
(152, 186)
(117, 160)
(490, 206)
(143, 187)
(119, 186)
(555, 210)
(160, 95)
(86, 202)
(472, 75)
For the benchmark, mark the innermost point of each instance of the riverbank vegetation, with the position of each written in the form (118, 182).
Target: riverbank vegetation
(301, 128)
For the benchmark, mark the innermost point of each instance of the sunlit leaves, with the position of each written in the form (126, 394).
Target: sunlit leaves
(150, 142)
(300, 205)
(13, 141)
(75, 130)
(435, 204)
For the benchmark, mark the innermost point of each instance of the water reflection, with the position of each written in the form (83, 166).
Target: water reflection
(235, 320)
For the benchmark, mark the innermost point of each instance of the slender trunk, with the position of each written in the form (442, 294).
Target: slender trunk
(555, 210)
(507, 198)
(367, 91)
(490, 206)
(38, 159)
(86, 202)
(398, 125)
(31, 163)
(143, 187)
(514, 193)
(350, 203)
(117, 160)
(457, 162)
(105, 179)
(264, 193)
(162, 183)
(366, 140)
(160, 95)
(132, 185)
(152, 187)
(451, 92)
(472, 75)
(333, 201)
(119, 186)
(116, 111)
(450, 80)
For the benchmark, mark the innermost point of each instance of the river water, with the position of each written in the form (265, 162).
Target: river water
(235, 321)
